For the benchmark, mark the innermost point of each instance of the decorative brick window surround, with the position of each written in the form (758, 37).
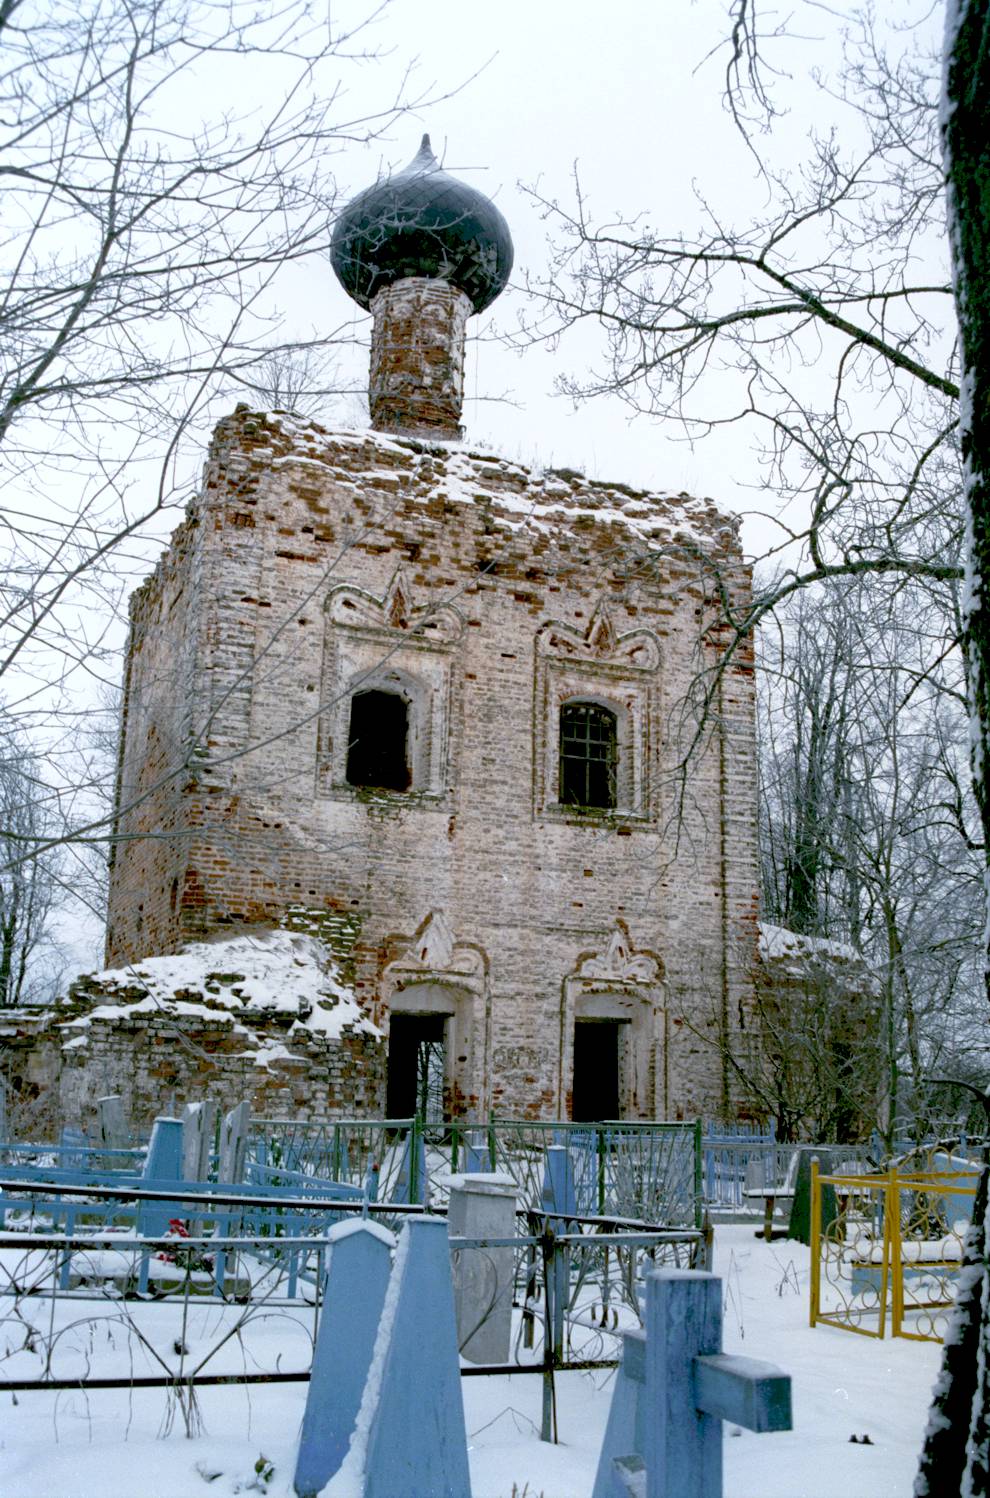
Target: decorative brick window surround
(385, 645)
(619, 673)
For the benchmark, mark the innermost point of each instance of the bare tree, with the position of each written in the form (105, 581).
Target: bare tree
(28, 890)
(149, 213)
(300, 380)
(868, 829)
(812, 323)
(829, 322)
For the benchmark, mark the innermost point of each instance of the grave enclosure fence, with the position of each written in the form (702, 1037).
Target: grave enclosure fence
(81, 1283)
(648, 1171)
(667, 1170)
(887, 1248)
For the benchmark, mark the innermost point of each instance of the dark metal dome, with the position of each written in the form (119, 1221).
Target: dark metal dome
(422, 222)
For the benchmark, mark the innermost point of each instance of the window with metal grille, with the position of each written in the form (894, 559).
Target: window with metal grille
(588, 755)
(377, 741)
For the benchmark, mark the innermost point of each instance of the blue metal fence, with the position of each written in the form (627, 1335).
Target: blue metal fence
(734, 1155)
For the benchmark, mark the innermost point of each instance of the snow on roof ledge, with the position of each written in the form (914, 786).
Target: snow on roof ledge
(536, 497)
(777, 941)
(796, 953)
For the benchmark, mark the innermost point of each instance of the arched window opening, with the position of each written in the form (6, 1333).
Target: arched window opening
(377, 741)
(588, 755)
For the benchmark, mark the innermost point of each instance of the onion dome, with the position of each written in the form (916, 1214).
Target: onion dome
(422, 222)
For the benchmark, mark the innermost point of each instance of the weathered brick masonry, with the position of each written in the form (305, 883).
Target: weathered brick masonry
(269, 1018)
(316, 564)
(432, 707)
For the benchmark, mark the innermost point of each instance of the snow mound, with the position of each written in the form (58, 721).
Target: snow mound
(263, 974)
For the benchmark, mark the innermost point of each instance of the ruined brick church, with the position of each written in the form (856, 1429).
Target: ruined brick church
(428, 706)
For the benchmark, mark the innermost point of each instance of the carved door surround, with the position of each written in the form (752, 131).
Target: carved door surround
(621, 983)
(435, 973)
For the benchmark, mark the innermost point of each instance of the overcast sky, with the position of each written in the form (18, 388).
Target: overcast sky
(621, 92)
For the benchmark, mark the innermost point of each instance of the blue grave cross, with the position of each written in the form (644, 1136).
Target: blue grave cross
(674, 1388)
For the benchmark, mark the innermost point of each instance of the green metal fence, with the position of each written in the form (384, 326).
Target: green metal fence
(364, 1152)
(648, 1171)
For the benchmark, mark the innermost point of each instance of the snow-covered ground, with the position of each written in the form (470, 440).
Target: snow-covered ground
(115, 1444)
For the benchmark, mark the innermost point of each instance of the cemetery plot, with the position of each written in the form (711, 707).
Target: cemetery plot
(365, 1432)
(96, 1335)
(82, 1263)
(888, 1248)
(377, 1155)
(108, 1438)
(650, 1172)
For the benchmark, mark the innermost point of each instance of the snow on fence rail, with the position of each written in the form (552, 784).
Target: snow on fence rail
(80, 1297)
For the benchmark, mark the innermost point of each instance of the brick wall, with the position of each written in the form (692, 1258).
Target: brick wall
(157, 1063)
(211, 1030)
(417, 357)
(313, 563)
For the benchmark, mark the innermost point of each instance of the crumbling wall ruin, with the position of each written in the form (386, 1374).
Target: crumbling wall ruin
(263, 1017)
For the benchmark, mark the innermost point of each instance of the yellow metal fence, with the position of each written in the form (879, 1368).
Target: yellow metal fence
(891, 1250)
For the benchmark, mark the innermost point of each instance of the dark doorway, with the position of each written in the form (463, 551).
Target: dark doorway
(595, 1093)
(377, 753)
(416, 1067)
